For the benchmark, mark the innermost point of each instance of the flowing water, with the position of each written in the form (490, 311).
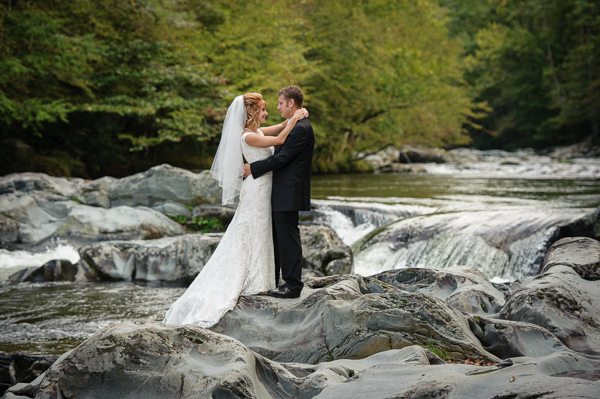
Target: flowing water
(499, 218)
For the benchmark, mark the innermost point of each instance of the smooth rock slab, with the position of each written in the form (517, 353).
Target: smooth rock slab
(345, 317)
(147, 360)
(151, 360)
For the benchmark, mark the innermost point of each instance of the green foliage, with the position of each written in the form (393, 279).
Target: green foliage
(535, 64)
(204, 225)
(440, 352)
(113, 86)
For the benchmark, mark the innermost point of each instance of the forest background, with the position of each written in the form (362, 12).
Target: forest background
(111, 87)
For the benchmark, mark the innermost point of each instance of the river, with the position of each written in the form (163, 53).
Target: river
(497, 220)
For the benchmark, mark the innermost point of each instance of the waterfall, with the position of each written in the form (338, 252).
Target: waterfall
(353, 220)
(507, 245)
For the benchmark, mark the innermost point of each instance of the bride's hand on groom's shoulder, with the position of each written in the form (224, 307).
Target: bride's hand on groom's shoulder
(301, 113)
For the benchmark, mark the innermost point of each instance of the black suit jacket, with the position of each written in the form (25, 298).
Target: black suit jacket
(291, 164)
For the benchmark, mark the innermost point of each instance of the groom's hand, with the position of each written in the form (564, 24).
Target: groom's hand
(247, 171)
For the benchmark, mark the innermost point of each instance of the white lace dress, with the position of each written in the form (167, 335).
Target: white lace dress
(242, 264)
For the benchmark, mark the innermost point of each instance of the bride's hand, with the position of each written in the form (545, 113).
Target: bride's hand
(301, 113)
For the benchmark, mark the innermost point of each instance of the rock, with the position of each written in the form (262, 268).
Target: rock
(509, 339)
(418, 154)
(348, 317)
(36, 218)
(17, 368)
(176, 259)
(150, 360)
(587, 226)
(464, 288)
(581, 254)
(323, 250)
(55, 270)
(27, 183)
(16, 155)
(164, 183)
(523, 378)
(95, 192)
(565, 299)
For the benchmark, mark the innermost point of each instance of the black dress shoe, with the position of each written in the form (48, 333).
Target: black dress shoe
(284, 292)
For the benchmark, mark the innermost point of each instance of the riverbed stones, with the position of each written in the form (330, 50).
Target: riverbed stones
(151, 360)
(16, 367)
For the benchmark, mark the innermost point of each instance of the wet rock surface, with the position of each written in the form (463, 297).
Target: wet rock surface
(351, 336)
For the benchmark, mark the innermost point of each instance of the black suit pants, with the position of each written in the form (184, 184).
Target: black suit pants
(288, 249)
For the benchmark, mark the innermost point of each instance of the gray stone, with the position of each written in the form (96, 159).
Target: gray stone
(165, 183)
(345, 317)
(561, 299)
(95, 192)
(323, 250)
(150, 360)
(177, 259)
(462, 287)
(36, 218)
(26, 183)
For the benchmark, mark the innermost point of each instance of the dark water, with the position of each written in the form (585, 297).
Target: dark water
(50, 318)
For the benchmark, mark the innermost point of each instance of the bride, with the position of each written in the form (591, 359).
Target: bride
(243, 263)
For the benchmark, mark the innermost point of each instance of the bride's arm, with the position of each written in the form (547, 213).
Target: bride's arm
(276, 129)
(256, 140)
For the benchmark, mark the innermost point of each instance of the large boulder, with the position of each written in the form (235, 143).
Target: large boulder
(565, 299)
(348, 317)
(420, 154)
(324, 251)
(27, 183)
(33, 218)
(165, 185)
(176, 259)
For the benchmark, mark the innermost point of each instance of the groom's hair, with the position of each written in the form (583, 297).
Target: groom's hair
(292, 93)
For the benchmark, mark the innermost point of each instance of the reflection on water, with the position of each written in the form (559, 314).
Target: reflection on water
(443, 190)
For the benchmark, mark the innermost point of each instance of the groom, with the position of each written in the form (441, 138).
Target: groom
(291, 166)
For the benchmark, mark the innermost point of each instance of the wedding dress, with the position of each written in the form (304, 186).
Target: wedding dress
(243, 263)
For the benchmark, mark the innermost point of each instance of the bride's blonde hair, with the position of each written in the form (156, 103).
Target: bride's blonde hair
(254, 103)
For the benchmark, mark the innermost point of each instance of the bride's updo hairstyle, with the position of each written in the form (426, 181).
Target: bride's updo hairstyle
(254, 103)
